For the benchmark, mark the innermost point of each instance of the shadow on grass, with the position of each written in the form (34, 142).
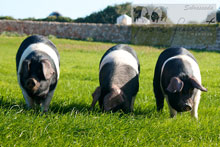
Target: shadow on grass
(57, 108)
(149, 112)
(73, 107)
(9, 105)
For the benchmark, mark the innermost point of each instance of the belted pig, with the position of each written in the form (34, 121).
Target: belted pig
(38, 70)
(119, 71)
(177, 77)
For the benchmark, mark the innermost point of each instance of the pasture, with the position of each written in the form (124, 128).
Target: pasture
(69, 121)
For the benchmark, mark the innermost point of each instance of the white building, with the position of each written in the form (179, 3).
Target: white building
(124, 20)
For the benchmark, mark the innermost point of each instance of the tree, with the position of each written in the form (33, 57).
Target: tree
(108, 15)
(56, 14)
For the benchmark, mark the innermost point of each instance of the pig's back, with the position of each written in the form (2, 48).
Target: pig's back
(171, 52)
(119, 66)
(35, 39)
(166, 55)
(121, 54)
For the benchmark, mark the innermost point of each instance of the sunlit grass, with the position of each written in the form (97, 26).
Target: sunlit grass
(71, 123)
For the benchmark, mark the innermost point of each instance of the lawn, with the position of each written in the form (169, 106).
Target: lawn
(71, 123)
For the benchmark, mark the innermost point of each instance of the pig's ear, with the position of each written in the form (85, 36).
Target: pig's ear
(196, 84)
(25, 68)
(47, 69)
(96, 95)
(113, 99)
(175, 85)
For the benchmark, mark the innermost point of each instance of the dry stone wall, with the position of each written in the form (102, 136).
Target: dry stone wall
(205, 37)
(82, 31)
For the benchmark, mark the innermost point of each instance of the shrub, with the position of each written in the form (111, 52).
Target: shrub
(6, 18)
(108, 15)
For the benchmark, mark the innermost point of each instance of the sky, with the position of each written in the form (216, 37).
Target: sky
(75, 8)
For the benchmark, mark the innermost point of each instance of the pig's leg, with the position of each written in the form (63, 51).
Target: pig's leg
(46, 102)
(159, 97)
(132, 103)
(129, 106)
(196, 100)
(29, 101)
(173, 112)
(157, 88)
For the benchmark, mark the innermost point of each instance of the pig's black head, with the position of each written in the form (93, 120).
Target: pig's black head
(180, 92)
(36, 77)
(112, 101)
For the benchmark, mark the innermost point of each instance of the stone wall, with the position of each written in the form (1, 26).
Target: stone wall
(206, 37)
(196, 36)
(82, 31)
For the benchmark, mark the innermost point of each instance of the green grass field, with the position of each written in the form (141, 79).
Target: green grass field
(71, 123)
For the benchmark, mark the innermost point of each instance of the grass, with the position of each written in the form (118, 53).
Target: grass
(69, 121)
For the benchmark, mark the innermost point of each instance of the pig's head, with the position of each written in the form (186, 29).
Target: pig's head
(112, 101)
(36, 76)
(181, 91)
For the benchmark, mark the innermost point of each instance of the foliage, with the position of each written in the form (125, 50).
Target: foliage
(6, 18)
(69, 121)
(55, 13)
(58, 19)
(49, 18)
(108, 15)
(52, 18)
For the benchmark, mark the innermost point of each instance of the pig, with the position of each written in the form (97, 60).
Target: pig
(119, 71)
(38, 70)
(177, 78)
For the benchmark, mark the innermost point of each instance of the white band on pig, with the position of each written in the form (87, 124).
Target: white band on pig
(185, 58)
(120, 57)
(43, 48)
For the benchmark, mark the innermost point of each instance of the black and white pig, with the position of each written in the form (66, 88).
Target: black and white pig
(119, 71)
(177, 77)
(38, 70)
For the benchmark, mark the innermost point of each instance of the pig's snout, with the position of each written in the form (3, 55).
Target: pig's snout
(32, 84)
(187, 107)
